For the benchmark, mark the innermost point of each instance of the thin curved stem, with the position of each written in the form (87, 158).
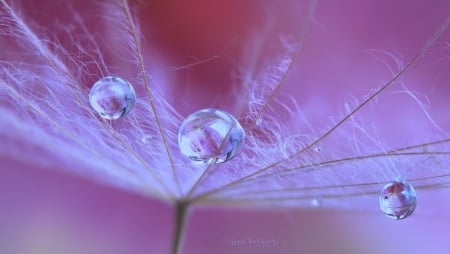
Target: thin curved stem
(181, 209)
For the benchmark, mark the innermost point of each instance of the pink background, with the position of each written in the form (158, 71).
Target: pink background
(45, 209)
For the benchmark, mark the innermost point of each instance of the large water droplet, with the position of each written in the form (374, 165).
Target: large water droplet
(112, 97)
(210, 135)
(398, 200)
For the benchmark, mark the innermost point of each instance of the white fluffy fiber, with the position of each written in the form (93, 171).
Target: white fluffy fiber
(46, 120)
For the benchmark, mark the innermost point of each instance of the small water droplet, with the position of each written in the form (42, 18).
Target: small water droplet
(201, 137)
(398, 200)
(317, 149)
(112, 97)
(315, 202)
(146, 138)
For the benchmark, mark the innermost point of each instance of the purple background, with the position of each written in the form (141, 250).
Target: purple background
(44, 209)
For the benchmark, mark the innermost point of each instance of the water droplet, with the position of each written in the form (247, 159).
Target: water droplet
(112, 97)
(315, 202)
(146, 138)
(398, 200)
(210, 135)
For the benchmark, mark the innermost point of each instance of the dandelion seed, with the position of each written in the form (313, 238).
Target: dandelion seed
(210, 135)
(292, 157)
(398, 200)
(112, 97)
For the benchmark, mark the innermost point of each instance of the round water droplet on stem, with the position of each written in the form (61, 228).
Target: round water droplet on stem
(112, 97)
(210, 135)
(398, 200)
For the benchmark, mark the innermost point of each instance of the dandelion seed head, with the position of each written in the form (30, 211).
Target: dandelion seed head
(289, 157)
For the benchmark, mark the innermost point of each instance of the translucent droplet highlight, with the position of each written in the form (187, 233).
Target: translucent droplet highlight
(112, 97)
(210, 135)
(398, 200)
(315, 202)
(146, 138)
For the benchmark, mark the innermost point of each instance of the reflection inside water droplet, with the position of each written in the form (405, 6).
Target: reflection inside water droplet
(210, 135)
(398, 200)
(112, 97)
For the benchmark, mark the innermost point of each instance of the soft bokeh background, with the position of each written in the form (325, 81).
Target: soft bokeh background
(43, 210)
